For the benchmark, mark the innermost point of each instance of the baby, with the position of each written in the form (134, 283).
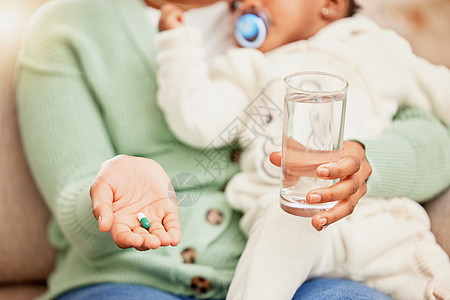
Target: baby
(385, 243)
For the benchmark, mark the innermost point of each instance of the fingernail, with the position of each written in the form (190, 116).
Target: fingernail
(99, 219)
(324, 172)
(314, 198)
(322, 222)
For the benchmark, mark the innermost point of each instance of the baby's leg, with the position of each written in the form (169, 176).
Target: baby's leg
(281, 253)
(389, 247)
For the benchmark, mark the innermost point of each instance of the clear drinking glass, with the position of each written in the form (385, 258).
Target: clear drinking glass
(313, 129)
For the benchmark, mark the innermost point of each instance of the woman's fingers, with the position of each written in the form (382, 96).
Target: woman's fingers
(172, 225)
(163, 216)
(344, 167)
(167, 230)
(338, 191)
(164, 224)
(102, 199)
(352, 156)
(125, 238)
(157, 229)
(353, 170)
(343, 189)
(139, 238)
(275, 158)
(150, 241)
(342, 209)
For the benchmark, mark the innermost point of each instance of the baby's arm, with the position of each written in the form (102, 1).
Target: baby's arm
(201, 102)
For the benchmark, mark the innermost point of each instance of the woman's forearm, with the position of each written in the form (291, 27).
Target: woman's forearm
(65, 142)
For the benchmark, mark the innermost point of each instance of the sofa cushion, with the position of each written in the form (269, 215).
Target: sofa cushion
(25, 252)
(439, 212)
(22, 291)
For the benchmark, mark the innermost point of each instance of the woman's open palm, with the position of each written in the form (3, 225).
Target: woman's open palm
(124, 187)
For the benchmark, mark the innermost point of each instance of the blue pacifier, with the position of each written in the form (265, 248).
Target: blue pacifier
(251, 30)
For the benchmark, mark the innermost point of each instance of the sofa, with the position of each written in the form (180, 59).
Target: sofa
(26, 257)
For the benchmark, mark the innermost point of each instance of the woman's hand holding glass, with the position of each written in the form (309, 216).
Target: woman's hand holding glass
(352, 170)
(127, 185)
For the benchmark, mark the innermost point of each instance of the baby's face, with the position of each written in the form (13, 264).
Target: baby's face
(290, 20)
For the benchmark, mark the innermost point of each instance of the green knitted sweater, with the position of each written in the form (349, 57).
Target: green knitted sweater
(86, 92)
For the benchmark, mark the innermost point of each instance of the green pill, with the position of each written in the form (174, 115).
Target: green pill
(144, 221)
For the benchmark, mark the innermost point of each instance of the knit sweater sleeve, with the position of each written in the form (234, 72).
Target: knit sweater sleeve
(63, 134)
(200, 101)
(411, 158)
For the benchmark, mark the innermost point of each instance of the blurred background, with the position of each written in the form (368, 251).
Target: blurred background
(26, 258)
(13, 16)
(424, 23)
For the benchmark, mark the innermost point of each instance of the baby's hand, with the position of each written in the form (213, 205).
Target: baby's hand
(171, 17)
